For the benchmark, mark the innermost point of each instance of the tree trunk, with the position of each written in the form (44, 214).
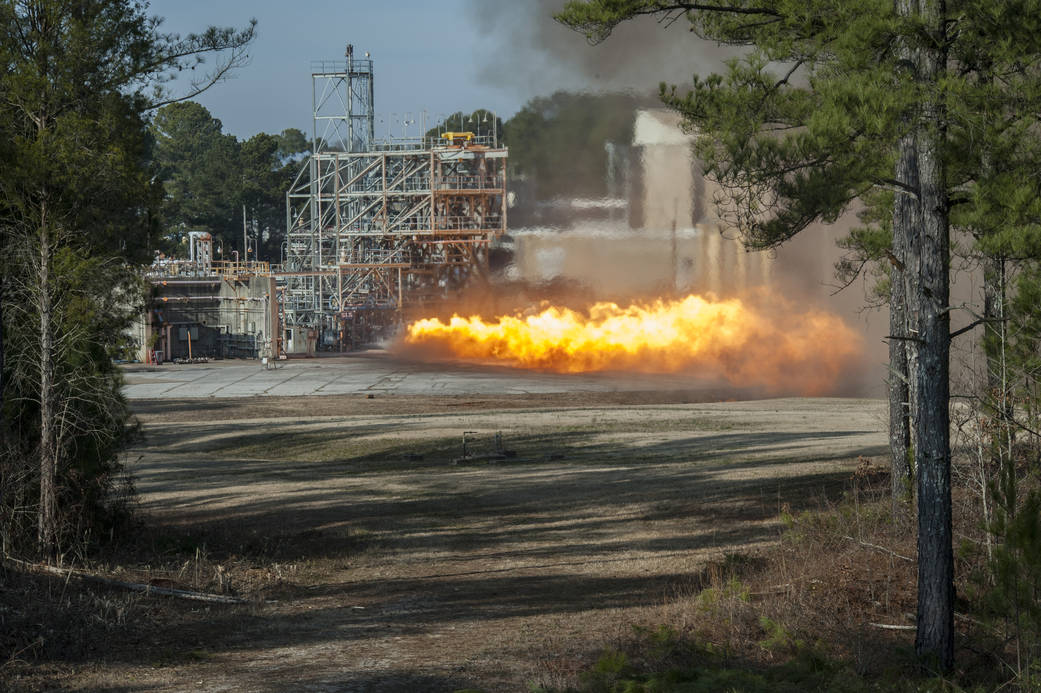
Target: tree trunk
(932, 425)
(993, 293)
(928, 307)
(3, 382)
(905, 220)
(994, 345)
(48, 518)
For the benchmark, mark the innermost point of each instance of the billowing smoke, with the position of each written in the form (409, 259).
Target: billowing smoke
(535, 54)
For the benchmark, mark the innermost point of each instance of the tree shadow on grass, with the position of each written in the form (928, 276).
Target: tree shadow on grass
(569, 536)
(596, 490)
(376, 612)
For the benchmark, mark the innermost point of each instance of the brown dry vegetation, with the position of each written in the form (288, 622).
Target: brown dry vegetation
(371, 562)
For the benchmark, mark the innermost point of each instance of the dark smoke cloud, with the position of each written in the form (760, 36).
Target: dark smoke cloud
(528, 51)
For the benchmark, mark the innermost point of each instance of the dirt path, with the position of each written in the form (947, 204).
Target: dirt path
(396, 570)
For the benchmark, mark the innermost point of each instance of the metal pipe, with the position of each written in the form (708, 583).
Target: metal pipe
(245, 241)
(176, 299)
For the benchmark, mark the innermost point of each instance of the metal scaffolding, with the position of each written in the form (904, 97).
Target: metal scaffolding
(376, 228)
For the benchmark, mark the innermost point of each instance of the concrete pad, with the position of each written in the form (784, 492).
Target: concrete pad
(377, 372)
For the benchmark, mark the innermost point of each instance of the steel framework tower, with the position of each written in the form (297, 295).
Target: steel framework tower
(375, 228)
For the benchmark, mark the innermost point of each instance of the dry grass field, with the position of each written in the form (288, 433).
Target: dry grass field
(373, 556)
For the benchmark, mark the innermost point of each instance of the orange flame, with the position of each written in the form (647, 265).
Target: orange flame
(770, 345)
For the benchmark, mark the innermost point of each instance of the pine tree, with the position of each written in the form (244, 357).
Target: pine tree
(76, 194)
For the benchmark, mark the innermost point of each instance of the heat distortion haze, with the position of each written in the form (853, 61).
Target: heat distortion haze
(754, 341)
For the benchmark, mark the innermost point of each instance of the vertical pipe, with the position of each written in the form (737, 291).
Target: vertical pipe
(371, 106)
(245, 241)
(351, 147)
(336, 202)
(502, 184)
(433, 185)
(316, 240)
(289, 224)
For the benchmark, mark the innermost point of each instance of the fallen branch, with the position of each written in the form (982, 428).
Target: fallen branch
(879, 548)
(976, 622)
(38, 642)
(131, 586)
(891, 626)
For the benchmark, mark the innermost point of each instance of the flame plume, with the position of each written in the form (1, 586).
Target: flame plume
(765, 344)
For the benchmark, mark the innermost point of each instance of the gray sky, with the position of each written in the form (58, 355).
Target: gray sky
(437, 57)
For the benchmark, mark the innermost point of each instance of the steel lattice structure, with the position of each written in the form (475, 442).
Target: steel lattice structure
(377, 227)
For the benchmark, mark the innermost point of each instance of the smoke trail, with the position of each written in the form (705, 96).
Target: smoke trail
(542, 56)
